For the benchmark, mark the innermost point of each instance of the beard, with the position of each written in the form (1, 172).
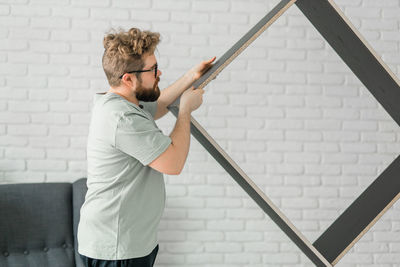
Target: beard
(147, 94)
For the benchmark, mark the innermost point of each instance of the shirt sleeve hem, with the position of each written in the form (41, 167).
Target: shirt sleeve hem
(161, 149)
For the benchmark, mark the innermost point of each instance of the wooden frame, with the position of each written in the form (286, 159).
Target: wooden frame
(378, 79)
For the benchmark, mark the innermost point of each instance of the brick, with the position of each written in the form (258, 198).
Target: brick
(25, 177)
(12, 165)
(4, 10)
(75, 12)
(203, 28)
(190, 17)
(340, 158)
(205, 236)
(13, 45)
(343, 113)
(330, 169)
(246, 257)
(57, 153)
(25, 153)
(68, 130)
(11, 118)
(358, 148)
(69, 59)
(284, 146)
(49, 47)
(360, 125)
(48, 94)
(359, 170)
(29, 34)
(47, 165)
(253, 76)
(27, 57)
(80, 119)
(53, 22)
(189, 40)
(104, 13)
(325, 78)
(77, 166)
(286, 101)
(27, 130)
(364, 12)
(152, 15)
(182, 202)
(223, 225)
(334, 136)
(68, 35)
(301, 203)
(245, 123)
(281, 258)
(21, 82)
(304, 67)
(210, 6)
(229, 18)
(303, 113)
(390, 13)
(93, 3)
(93, 24)
(265, 112)
(172, 5)
(187, 247)
(261, 247)
(323, 124)
(223, 247)
(25, 106)
(306, 44)
(266, 65)
(247, 100)
(215, 202)
(202, 191)
(243, 236)
(264, 158)
(13, 140)
(380, 25)
(13, 22)
(302, 158)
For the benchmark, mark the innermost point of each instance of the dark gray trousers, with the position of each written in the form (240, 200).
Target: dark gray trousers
(146, 261)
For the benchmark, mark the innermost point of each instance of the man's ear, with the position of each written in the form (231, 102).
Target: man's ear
(129, 80)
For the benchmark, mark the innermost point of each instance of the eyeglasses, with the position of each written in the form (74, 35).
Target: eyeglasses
(154, 68)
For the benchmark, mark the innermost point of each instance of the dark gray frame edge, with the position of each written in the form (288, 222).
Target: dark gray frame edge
(348, 43)
(240, 45)
(254, 192)
(316, 11)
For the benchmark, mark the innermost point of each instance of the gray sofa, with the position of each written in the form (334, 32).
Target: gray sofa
(38, 224)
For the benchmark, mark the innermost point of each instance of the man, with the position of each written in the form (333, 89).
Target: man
(127, 154)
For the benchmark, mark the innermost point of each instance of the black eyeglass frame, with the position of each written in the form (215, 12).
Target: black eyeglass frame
(155, 68)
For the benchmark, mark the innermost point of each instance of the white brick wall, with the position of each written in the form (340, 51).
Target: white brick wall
(288, 110)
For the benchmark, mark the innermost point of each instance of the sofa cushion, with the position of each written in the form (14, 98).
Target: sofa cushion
(36, 225)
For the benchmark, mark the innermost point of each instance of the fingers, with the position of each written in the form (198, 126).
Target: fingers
(211, 60)
(208, 62)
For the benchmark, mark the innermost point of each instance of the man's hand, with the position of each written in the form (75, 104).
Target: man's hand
(191, 99)
(198, 70)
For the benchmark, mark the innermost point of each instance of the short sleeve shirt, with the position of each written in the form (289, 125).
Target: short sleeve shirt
(125, 198)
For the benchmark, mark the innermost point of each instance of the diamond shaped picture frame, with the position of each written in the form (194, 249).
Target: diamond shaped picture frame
(348, 43)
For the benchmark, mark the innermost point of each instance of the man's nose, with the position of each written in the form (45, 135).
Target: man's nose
(159, 73)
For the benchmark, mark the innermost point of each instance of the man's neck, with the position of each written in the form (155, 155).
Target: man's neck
(125, 94)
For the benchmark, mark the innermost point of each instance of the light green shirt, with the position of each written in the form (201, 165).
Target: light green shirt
(125, 197)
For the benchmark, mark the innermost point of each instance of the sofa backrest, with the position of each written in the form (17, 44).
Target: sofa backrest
(37, 224)
(79, 190)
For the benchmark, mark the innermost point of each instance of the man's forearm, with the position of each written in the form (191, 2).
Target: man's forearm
(171, 93)
(180, 137)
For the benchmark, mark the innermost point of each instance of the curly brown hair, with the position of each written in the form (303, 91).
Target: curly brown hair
(124, 50)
